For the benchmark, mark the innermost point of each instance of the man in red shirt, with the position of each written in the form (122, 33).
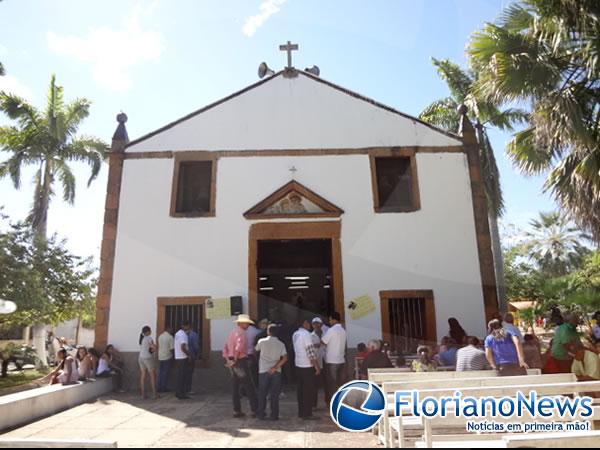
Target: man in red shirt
(235, 353)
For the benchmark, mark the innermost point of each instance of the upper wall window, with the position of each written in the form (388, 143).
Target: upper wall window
(395, 183)
(194, 189)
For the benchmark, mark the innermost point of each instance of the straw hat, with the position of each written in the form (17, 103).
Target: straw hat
(244, 318)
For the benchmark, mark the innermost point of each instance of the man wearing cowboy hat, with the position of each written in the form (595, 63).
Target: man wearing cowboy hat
(235, 354)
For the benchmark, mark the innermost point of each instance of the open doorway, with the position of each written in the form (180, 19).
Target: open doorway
(294, 279)
(309, 254)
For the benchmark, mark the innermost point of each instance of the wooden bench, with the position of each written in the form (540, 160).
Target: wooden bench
(587, 439)
(380, 376)
(45, 443)
(389, 388)
(551, 389)
(567, 439)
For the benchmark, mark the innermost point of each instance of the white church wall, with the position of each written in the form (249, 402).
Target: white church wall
(434, 248)
(293, 113)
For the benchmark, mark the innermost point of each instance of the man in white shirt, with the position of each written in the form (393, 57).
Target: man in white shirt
(307, 368)
(183, 361)
(317, 335)
(509, 325)
(166, 345)
(335, 356)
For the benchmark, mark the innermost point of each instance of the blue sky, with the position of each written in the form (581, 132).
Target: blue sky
(158, 60)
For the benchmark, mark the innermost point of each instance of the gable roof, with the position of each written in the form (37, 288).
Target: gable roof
(300, 73)
(262, 209)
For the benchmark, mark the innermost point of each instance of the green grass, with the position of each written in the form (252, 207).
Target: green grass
(18, 378)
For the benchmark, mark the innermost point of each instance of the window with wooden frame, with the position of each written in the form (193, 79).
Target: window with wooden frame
(408, 319)
(395, 182)
(194, 187)
(174, 311)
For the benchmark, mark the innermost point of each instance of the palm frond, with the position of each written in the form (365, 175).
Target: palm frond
(516, 17)
(458, 81)
(491, 176)
(527, 155)
(507, 119)
(75, 113)
(89, 150)
(17, 108)
(13, 166)
(2, 72)
(442, 113)
(67, 180)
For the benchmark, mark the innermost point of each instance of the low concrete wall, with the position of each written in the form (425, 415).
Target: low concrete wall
(25, 407)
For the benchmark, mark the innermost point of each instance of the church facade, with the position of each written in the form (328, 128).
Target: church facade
(295, 197)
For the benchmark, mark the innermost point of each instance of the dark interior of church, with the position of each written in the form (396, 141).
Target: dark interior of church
(294, 279)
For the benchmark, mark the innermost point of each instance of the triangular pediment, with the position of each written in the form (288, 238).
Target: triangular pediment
(301, 112)
(293, 200)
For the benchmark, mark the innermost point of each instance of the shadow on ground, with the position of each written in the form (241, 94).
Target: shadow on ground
(204, 421)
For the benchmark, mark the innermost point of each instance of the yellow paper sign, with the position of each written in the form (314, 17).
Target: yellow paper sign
(361, 307)
(218, 308)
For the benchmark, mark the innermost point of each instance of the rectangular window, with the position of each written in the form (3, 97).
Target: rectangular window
(395, 183)
(408, 319)
(194, 187)
(172, 312)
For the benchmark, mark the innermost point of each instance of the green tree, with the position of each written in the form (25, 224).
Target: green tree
(47, 282)
(583, 288)
(484, 114)
(48, 141)
(555, 244)
(545, 53)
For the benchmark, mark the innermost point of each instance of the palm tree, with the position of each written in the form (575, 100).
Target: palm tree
(484, 114)
(555, 244)
(1, 66)
(47, 140)
(545, 54)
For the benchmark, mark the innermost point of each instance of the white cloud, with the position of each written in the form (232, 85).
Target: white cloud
(113, 53)
(12, 85)
(266, 9)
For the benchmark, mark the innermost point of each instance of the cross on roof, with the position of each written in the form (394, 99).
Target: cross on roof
(289, 48)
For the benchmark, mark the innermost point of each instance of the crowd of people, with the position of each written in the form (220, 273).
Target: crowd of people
(505, 349)
(262, 357)
(85, 364)
(316, 349)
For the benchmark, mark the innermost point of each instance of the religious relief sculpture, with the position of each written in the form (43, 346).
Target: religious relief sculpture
(293, 199)
(291, 204)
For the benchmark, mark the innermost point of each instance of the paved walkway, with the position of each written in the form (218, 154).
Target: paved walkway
(204, 421)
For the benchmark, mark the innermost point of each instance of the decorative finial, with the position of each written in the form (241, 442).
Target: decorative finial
(465, 127)
(121, 131)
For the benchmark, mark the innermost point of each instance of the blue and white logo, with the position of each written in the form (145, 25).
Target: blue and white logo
(357, 406)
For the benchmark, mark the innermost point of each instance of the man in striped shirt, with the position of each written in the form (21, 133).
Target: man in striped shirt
(307, 369)
(471, 357)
